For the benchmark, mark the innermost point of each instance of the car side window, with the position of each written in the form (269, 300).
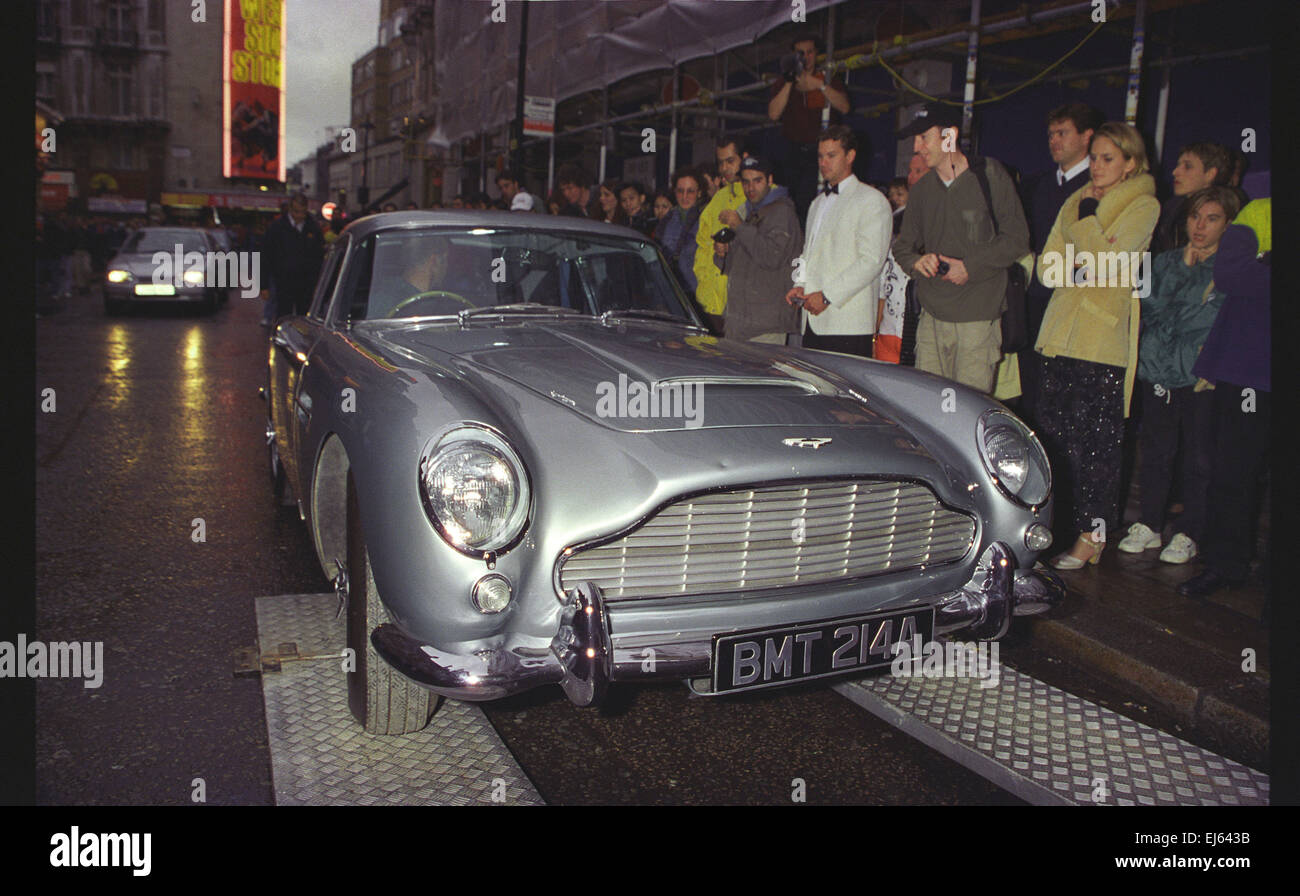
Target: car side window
(329, 276)
(354, 297)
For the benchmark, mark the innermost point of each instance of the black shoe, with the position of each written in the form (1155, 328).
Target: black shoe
(1205, 583)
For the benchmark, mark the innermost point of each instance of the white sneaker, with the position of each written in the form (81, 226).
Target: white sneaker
(1140, 537)
(1180, 549)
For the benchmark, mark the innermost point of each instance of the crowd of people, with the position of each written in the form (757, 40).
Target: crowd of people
(72, 248)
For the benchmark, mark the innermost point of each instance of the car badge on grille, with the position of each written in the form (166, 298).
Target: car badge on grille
(813, 443)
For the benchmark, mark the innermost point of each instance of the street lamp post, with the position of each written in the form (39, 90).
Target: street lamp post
(363, 192)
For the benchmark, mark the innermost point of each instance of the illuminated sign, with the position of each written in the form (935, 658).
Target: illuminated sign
(253, 89)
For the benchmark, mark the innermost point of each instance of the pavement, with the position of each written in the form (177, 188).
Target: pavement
(1204, 664)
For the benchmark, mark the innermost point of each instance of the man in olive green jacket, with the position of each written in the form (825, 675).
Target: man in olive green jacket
(958, 259)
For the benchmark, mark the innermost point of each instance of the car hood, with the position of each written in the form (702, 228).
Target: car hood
(647, 377)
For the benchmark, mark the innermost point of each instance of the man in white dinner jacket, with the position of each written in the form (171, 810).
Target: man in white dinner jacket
(847, 238)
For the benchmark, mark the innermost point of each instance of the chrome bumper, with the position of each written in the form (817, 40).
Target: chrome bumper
(982, 608)
(584, 658)
(579, 659)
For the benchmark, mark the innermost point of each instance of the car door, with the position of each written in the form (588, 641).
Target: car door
(292, 344)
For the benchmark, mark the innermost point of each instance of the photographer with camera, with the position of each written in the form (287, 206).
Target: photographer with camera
(797, 101)
(763, 240)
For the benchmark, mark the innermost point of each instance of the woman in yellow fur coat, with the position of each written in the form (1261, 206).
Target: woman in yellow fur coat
(1094, 259)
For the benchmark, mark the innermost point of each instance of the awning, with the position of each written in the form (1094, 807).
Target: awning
(262, 202)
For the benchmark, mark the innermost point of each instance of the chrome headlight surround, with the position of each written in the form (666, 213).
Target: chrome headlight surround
(1014, 458)
(475, 490)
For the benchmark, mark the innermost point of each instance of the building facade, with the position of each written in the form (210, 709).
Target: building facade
(139, 86)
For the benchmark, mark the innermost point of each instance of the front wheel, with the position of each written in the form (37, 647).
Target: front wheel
(381, 700)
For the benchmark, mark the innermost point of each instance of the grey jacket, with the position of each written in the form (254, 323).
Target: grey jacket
(760, 266)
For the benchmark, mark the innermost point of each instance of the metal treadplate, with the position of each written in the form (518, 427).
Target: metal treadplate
(321, 756)
(1050, 747)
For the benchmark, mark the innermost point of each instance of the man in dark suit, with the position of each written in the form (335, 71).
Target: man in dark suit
(1069, 132)
(292, 253)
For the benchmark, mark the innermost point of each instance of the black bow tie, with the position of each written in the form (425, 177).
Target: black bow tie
(828, 190)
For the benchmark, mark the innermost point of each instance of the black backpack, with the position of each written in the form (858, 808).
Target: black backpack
(1015, 314)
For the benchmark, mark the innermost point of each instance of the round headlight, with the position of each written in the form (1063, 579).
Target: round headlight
(474, 490)
(193, 278)
(118, 276)
(1014, 457)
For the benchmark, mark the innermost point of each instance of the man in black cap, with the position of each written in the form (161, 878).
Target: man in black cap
(759, 259)
(947, 244)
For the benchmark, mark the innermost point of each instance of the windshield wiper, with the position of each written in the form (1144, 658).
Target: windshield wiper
(644, 312)
(517, 308)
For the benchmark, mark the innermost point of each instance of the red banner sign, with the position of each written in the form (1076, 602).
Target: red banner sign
(253, 89)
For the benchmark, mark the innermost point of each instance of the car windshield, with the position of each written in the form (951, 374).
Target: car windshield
(145, 242)
(435, 272)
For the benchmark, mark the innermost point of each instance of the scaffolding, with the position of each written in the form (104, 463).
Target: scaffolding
(638, 21)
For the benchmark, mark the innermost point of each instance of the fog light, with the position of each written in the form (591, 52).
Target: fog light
(1038, 537)
(491, 594)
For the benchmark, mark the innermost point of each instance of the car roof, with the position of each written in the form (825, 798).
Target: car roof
(363, 227)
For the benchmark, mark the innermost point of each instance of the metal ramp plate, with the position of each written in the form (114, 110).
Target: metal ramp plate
(321, 756)
(1050, 747)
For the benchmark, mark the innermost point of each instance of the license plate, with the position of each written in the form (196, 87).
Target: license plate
(766, 658)
(155, 289)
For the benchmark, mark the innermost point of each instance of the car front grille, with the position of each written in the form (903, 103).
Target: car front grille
(775, 537)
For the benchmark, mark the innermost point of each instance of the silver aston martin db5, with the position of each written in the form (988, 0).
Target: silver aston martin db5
(523, 461)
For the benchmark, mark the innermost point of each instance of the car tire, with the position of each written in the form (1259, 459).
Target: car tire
(383, 701)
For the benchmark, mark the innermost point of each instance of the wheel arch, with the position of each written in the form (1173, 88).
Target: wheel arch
(329, 504)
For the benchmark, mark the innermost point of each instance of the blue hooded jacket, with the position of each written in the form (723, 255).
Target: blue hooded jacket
(1176, 319)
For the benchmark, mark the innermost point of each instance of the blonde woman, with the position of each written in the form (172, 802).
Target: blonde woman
(1088, 340)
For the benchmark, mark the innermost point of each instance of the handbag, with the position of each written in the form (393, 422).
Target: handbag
(1015, 311)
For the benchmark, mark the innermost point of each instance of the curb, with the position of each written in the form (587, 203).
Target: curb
(1213, 710)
